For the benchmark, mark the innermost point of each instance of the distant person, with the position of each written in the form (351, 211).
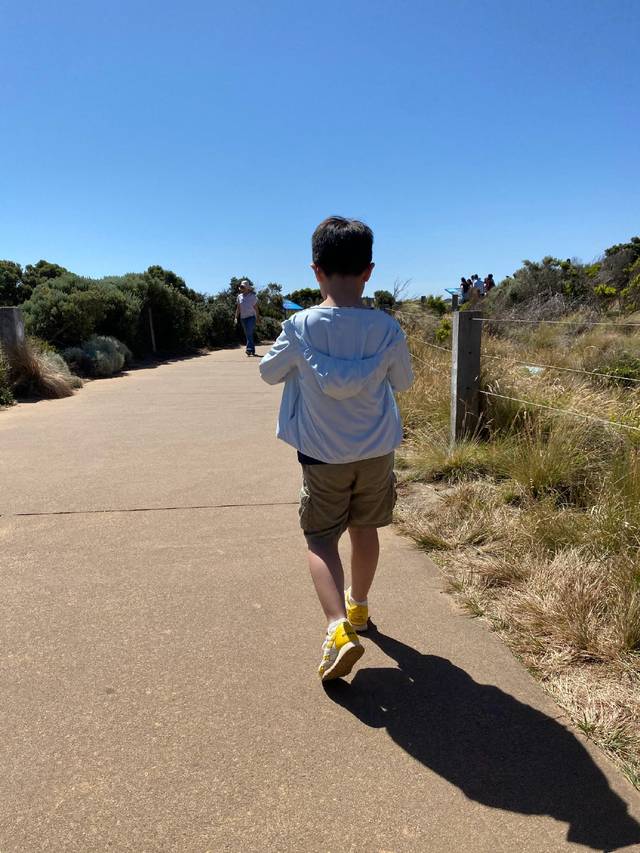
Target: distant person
(478, 285)
(341, 364)
(489, 283)
(247, 311)
(465, 287)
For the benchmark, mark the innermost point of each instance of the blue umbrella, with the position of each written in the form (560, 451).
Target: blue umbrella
(288, 305)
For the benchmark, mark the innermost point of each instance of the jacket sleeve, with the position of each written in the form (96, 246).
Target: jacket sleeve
(400, 372)
(279, 361)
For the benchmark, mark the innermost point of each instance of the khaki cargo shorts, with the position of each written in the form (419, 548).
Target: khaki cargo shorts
(353, 494)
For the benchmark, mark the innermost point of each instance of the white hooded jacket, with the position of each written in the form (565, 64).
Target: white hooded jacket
(340, 367)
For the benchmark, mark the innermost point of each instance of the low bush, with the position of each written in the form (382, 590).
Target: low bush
(100, 356)
(41, 373)
(6, 395)
(622, 365)
(216, 325)
(443, 332)
(268, 328)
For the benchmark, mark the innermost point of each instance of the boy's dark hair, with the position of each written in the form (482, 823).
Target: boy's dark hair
(342, 246)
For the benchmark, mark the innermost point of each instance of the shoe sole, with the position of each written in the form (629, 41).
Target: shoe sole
(348, 655)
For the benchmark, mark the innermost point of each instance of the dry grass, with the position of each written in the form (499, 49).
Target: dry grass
(538, 528)
(34, 370)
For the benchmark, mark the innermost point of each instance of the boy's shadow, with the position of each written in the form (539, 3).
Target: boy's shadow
(497, 750)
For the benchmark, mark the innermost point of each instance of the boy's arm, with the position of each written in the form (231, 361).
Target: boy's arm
(400, 373)
(279, 361)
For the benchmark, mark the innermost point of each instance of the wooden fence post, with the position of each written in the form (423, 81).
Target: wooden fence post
(11, 327)
(455, 301)
(465, 373)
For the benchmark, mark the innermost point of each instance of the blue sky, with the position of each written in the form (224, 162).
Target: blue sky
(212, 137)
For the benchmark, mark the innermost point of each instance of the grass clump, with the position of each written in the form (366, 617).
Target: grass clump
(37, 371)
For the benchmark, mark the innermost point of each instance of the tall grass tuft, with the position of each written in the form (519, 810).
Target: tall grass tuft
(36, 371)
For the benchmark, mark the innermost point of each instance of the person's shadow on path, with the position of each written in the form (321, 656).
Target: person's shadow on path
(497, 750)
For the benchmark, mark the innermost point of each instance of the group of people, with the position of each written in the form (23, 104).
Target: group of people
(475, 287)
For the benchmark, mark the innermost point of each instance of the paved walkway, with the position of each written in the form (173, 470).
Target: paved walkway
(159, 638)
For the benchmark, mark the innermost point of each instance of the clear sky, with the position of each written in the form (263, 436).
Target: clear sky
(212, 137)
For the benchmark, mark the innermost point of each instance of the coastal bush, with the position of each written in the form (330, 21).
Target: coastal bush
(100, 356)
(215, 323)
(268, 328)
(62, 313)
(6, 395)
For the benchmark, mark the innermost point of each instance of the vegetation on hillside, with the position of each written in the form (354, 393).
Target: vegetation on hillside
(535, 520)
(551, 287)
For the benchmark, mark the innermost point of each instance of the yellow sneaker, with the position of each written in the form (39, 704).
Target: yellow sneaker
(340, 650)
(357, 614)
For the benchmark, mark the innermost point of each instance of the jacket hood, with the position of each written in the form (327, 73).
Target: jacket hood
(337, 377)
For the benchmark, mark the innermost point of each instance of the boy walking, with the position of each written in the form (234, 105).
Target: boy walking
(341, 364)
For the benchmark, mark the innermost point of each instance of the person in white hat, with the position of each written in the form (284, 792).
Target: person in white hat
(247, 311)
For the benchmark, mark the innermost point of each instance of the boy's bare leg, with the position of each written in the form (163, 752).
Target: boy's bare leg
(328, 576)
(365, 550)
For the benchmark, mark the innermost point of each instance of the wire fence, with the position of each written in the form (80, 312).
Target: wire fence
(558, 367)
(560, 411)
(556, 322)
(428, 343)
(466, 364)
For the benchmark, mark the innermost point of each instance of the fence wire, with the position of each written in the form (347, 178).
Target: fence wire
(557, 367)
(427, 343)
(561, 411)
(555, 322)
(555, 409)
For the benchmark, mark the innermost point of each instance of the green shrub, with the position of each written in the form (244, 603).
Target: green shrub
(443, 332)
(175, 317)
(6, 396)
(436, 305)
(384, 300)
(623, 365)
(62, 314)
(77, 360)
(305, 296)
(215, 321)
(100, 356)
(268, 328)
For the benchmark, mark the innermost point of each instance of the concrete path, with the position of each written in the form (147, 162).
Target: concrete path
(159, 639)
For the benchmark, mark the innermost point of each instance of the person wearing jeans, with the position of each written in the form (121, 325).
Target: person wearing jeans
(247, 311)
